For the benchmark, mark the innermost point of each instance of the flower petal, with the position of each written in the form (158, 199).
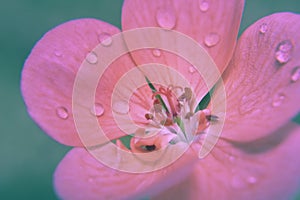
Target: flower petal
(80, 176)
(213, 24)
(262, 80)
(49, 73)
(265, 169)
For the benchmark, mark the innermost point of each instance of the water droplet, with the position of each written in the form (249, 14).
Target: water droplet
(92, 58)
(278, 99)
(120, 107)
(295, 74)
(231, 158)
(251, 179)
(62, 112)
(238, 182)
(97, 110)
(263, 28)
(105, 39)
(203, 5)
(166, 18)
(284, 51)
(90, 179)
(156, 52)
(192, 69)
(211, 39)
(58, 53)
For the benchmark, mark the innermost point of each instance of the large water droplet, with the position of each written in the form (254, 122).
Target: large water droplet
(278, 99)
(263, 28)
(97, 110)
(192, 69)
(156, 52)
(295, 74)
(284, 51)
(211, 39)
(105, 39)
(62, 112)
(166, 18)
(92, 58)
(203, 5)
(120, 107)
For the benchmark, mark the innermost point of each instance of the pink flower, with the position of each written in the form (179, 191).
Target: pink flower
(256, 156)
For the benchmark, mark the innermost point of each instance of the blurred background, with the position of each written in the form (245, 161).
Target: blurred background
(28, 156)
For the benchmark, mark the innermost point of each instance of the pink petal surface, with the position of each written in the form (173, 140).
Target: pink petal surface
(268, 168)
(81, 176)
(262, 80)
(213, 24)
(49, 73)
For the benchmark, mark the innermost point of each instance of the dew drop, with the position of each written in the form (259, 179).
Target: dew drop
(62, 112)
(58, 53)
(156, 52)
(120, 107)
(283, 51)
(263, 28)
(251, 179)
(203, 5)
(278, 99)
(211, 39)
(97, 110)
(295, 74)
(92, 58)
(105, 39)
(231, 158)
(192, 69)
(166, 18)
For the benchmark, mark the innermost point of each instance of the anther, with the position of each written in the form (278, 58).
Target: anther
(212, 118)
(148, 116)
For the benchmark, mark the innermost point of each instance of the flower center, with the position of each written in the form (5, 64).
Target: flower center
(173, 116)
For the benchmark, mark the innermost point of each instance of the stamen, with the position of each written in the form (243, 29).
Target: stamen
(150, 147)
(148, 116)
(167, 122)
(212, 118)
(171, 98)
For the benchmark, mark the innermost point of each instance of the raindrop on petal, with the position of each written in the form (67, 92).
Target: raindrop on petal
(97, 110)
(105, 39)
(120, 107)
(62, 112)
(284, 51)
(263, 28)
(192, 69)
(156, 52)
(278, 99)
(90, 179)
(92, 58)
(211, 39)
(203, 5)
(295, 74)
(166, 18)
(251, 179)
(232, 158)
(58, 53)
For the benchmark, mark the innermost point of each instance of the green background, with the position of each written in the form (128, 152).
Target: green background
(28, 156)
